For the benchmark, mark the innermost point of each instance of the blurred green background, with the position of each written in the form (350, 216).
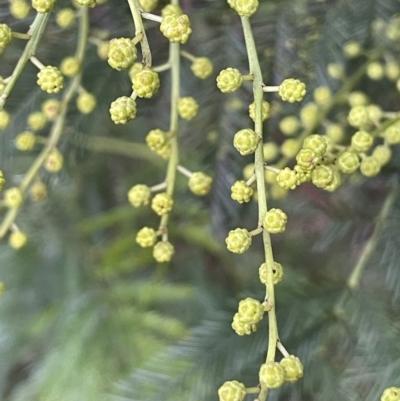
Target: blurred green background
(88, 315)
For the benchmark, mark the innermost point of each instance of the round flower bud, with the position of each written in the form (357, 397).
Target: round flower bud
(200, 183)
(17, 239)
(170, 9)
(163, 251)
(54, 161)
(176, 28)
(357, 98)
(292, 90)
(375, 113)
(146, 83)
(272, 375)
(139, 195)
(322, 176)
(25, 141)
(146, 237)
(250, 311)
(289, 125)
(302, 174)
(271, 151)
(322, 95)
(352, 49)
(70, 66)
(121, 53)
(38, 191)
(309, 115)
(265, 110)
(335, 133)
(361, 141)
(375, 70)
(382, 154)
(241, 328)
(43, 6)
(391, 394)
(156, 139)
(370, 167)
(86, 102)
(5, 35)
(287, 178)
(275, 221)
(13, 197)
(232, 391)
(162, 203)
(241, 192)
(307, 159)
(290, 148)
(4, 119)
(293, 368)
(245, 8)
(348, 162)
(277, 271)
(19, 9)
(316, 143)
(164, 151)
(51, 108)
(335, 71)
(65, 17)
(123, 110)
(86, 3)
(358, 116)
(336, 182)
(148, 5)
(135, 69)
(2, 180)
(238, 240)
(392, 70)
(392, 134)
(187, 107)
(202, 67)
(37, 121)
(246, 141)
(229, 80)
(50, 79)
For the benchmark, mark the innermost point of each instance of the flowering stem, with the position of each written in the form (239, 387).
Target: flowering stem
(36, 62)
(184, 171)
(255, 70)
(270, 88)
(188, 55)
(18, 35)
(152, 17)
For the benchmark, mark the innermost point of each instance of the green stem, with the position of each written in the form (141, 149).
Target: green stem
(255, 70)
(134, 5)
(36, 33)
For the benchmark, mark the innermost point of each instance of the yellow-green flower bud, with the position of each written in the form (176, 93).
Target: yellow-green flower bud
(146, 83)
(293, 368)
(352, 49)
(50, 79)
(375, 70)
(391, 394)
(232, 391)
(309, 115)
(250, 311)
(65, 17)
(17, 239)
(358, 116)
(238, 240)
(289, 125)
(348, 162)
(335, 71)
(357, 98)
(290, 148)
(335, 133)
(200, 183)
(241, 192)
(265, 110)
(176, 28)
(54, 161)
(317, 143)
(146, 237)
(287, 178)
(274, 221)
(271, 151)
(70, 66)
(123, 110)
(292, 90)
(272, 375)
(86, 102)
(336, 182)
(202, 67)
(148, 5)
(307, 159)
(322, 95)
(139, 195)
(122, 53)
(246, 141)
(163, 251)
(156, 139)
(13, 197)
(37, 121)
(162, 203)
(4, 119)
(392, 134)
(277, 271)
(19, 9)
(370, 167)
(361, 141)
(322, 176)
(170, 9)
(383, 154)
(229, 80)
(187, 107)
(25, 141)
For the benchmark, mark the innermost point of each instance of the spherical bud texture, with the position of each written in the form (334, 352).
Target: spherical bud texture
(139, 195)
(135, 69)
(17, 240)
(302, 174)
(123, 110)
(187, 107)
(357, 98)
(392, 134)
(86, 3)
(13, 197)
(277, 271)
(25, 141)
(245, 8)
(19, 9)
(316, 143)
(37, 121)
(43, 6)
(238, 240)
(5, 35)
(146, 237)
(292, 90)
(170, 9)
(246, 141)
(241, 328)
(370, 167)
(176, 28)
(241, 192)
(272, 375)
(146, 83)
(275, 221)
(382, 154)
(50, 79)
(250, 311)
(322, 176)
(265, 110)
(70, 66)
(54, 161)
(361, 141)
(229, 80)
(162, 203)
(65, 17)
(86, 102)
(335, 71)
(148, 5)
(287, 178)
(293, 368)
(322, 95)
(165, 151)
(336, 182)
(202, 67)
(348, 162)
(391, 394)
(358, 116)
(375, 71)
(232, 391)
(200, 183)
(163, 251)
(122, 53)
(156, 139)
(307, 159)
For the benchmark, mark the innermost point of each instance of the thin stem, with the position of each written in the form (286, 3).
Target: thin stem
(252, 390)
(23, 36)
(270, 88)
(283, 350)
(162, 67)
(151, 17)
(251, 179)
(188, 55)
(158, 187)
(184, 171)
(273, 169)
(257, 231)
(262, 197)
(36, 33)
(37, 63)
